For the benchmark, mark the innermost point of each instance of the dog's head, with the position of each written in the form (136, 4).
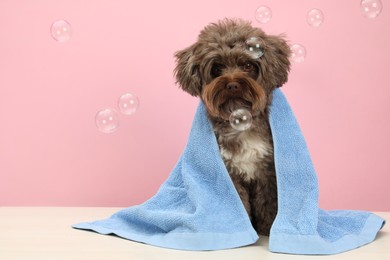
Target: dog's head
(233, 65)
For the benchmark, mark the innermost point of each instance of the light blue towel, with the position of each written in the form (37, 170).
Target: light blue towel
(300, 226)
(198, 208)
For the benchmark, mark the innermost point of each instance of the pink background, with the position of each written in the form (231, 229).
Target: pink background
(52, 154)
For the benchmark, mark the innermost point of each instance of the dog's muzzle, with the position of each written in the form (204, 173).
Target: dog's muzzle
(233, 91)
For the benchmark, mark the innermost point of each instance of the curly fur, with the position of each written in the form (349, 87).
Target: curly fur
(219, 70)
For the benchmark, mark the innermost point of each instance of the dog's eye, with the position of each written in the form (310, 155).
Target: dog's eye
(248, 67)
(216, 70)
(251, 68)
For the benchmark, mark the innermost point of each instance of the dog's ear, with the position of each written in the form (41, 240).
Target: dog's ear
(187, 71)
(276, 63)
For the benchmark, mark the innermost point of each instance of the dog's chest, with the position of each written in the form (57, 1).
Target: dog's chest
(247, 155)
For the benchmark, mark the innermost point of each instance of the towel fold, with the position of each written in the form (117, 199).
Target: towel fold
(198, 208)
(300, 226)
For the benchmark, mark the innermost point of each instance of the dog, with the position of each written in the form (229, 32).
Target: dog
(233, 66)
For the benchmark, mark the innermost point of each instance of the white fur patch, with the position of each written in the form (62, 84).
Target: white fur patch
(247, 158)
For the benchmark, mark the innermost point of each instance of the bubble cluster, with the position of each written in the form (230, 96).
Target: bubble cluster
(263, 14)
(61, 31)
(253, 46)
(107, 120)
(298, 53)
(371, 8)
(315, 17)
(128, 104)
(241, 119)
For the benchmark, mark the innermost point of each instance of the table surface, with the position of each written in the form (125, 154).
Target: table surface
(46, 233)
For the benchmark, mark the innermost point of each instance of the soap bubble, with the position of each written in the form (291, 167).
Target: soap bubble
(298, 53)
(107, 120)
(61, 31)
(240, 119)
(371, 8)
(315, 17)
(253, 45)
(263, 14)
(128, 103)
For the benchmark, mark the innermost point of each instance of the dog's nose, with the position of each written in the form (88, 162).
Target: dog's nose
(234, 86)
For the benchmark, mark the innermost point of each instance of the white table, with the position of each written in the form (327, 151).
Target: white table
(46, 233)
